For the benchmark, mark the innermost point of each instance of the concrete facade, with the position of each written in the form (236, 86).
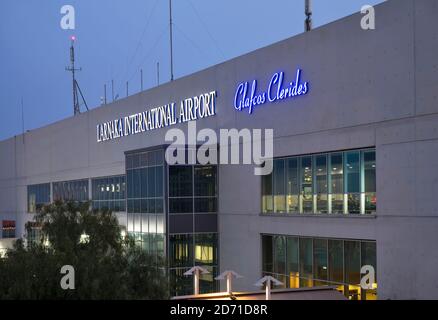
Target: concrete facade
(376, 88)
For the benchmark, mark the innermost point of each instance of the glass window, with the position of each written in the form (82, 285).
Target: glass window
(135, 161)
(151, 205)
(143, 159)
(145, 185)
(151, 158)
(130, 180)
(144, 206)
(368, 254)
(180, 284)
(352, 176)
(205, 181)
(137, 205)
(267, 253)
(280, 255)
(368, 257)
(369, 158)
(206, 249)
(96, 194)
(321, 174)
(336, 261)
(180, 181)
(306, 184)
(71, 190)
(207, 283)
(320, 261)
(337, 181)
(370, 170)
(128, 162)
(160, 224)
(180, 205)
(130, 206)
(108, 193)
(352, 166)
(292, 185)
(267, 203)
(8, 229)
(183, 180)
(317, 184)
(292, 264)
(137, 183)
(159, 157)
(152, 223)
(144, 182)
(181, 250)
(159, 206)
(352, 261)
(279, 186)
(306, 263)
(33, 232)
(321, 184)
(353, 203)
(151, 182)
(159, 181)
(37, 196)
(112, 189)
(205, 205)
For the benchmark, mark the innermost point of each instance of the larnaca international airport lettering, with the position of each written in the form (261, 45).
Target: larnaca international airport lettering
(194, 108)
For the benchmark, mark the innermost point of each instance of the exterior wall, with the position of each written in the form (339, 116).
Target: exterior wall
(367, 88)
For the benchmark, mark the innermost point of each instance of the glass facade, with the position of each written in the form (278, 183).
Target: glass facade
(145, 199)
(329, 183)
(188, 250)
(33, 232)
(192, 189)
(71, 190)
(109, 193)
(8, 229)
(306, 262)
(193, 193)
(38, 195)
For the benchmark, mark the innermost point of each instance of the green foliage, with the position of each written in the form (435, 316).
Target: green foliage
(106, 265)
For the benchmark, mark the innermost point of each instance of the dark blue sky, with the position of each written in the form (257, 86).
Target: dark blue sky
(118, 37)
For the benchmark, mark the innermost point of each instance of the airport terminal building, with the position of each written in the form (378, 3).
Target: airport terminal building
(354, 115)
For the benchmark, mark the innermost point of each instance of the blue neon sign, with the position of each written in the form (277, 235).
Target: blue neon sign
(247, 97)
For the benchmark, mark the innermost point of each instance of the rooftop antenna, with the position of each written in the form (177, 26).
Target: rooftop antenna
(171, 40)
(112, 89)
(76, 88)
(308, 13)
(22, 115)
(158, 73)
(141, 79)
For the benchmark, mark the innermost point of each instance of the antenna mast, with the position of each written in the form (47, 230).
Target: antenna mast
(171, 40)
(76, 89)
(308, 13)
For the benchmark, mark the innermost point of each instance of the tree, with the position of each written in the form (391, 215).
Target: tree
(106, 265)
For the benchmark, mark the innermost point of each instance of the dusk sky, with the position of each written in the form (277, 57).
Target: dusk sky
(116, 38)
